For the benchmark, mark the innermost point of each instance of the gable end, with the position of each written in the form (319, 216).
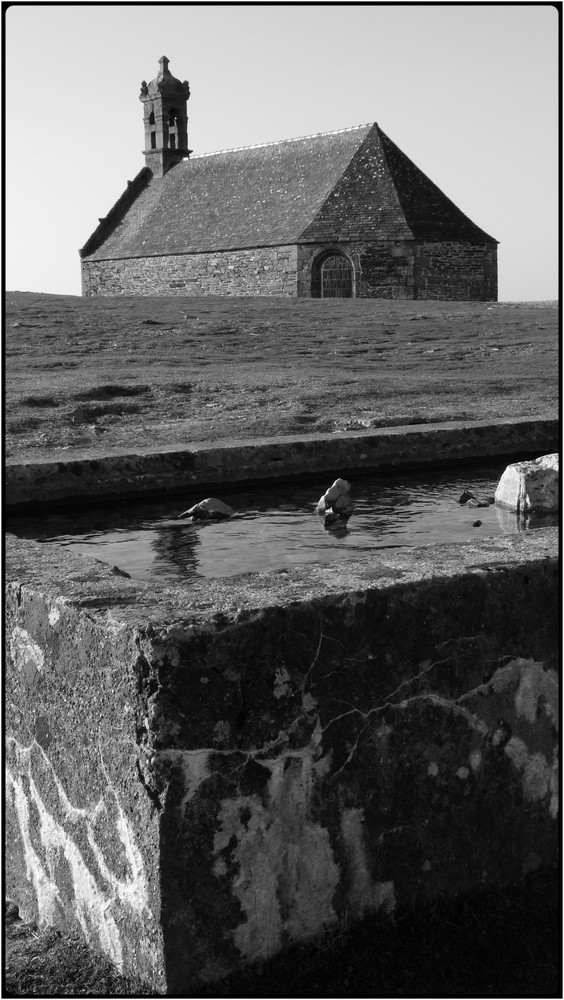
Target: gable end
(117, 213)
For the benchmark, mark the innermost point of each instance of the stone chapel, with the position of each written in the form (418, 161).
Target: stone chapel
(337, 214)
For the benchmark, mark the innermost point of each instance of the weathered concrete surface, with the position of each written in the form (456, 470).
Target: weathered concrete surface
(200, 776)
(150, 473)
(531, 487)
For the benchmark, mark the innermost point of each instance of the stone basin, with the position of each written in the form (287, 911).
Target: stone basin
(199, 777)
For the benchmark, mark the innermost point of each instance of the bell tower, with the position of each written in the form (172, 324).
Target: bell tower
(165, 120)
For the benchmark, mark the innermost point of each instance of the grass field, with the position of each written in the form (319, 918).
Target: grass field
(101, 375)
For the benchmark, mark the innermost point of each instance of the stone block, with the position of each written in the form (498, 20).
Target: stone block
(200, 776)
(531, 487)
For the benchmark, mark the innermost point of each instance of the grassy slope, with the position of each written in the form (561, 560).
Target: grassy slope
(104, 374)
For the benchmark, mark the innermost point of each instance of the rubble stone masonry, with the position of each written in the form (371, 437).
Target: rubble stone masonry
(382, 270)
(260, 271)
(456, 271)
(409, 270)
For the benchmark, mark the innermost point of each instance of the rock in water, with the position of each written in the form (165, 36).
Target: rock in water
(210, 509)
(336, 504)
(468, 499)
(530, 487)
(465, 497)
(340, 488)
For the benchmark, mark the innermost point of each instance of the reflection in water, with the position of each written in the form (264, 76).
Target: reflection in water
(174, 551)
(277, 528)
(510, 522)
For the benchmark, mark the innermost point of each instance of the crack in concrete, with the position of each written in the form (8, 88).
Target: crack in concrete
(354, 710)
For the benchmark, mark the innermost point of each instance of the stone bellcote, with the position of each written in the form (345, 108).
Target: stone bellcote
(166, 123)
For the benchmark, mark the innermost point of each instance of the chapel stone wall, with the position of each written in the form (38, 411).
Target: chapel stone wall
(382, 270)
(259, 271)
(408, 269)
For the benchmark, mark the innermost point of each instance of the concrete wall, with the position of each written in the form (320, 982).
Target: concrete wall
(260, 271)
(199, 777)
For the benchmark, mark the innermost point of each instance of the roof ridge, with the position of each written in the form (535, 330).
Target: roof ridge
(279, 142)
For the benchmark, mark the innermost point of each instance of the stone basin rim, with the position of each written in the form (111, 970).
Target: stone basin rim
(398, 430)
(255, 462)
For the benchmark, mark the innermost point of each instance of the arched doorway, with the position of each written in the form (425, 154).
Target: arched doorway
(333, 277)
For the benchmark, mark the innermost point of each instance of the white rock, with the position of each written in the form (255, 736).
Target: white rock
(340, 488)
(530, 486)
(336, 504)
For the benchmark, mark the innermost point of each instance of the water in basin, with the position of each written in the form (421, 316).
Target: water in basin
(276, 527)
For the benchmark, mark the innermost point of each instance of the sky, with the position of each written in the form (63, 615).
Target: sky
(468, 92)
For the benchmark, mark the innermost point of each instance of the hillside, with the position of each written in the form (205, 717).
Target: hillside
(99, 375)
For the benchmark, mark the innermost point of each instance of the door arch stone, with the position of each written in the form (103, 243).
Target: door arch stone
(333, 275)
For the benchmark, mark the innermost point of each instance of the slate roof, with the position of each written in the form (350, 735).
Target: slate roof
(338, 185)
(428, 212)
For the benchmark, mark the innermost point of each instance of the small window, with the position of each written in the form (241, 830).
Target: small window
(172, 139)
(153, 140)
(152, 118)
